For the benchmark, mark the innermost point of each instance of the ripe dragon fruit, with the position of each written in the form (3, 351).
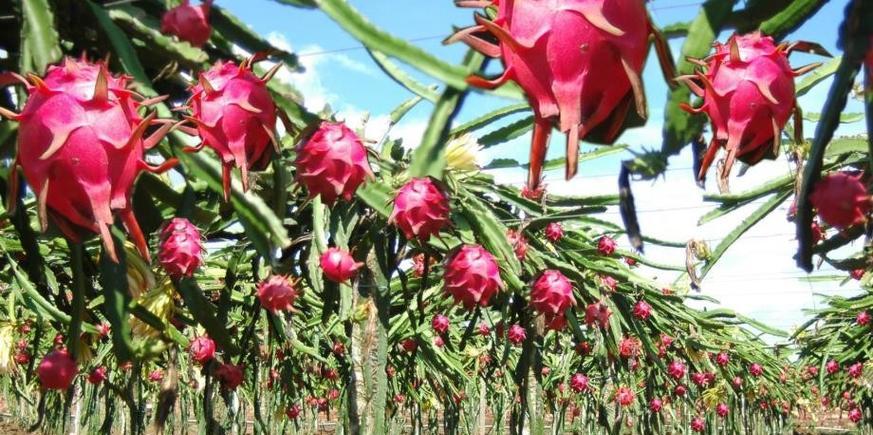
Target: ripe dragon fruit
(855, 415)
(516, 334)
(472, 276)
(578, 61)
(642, 310)
(421, 209)
(579, 383)
(856, 370)
(698, 424)
(832, 367)
(202, 349)
(606, 245)
(57, 370)
(655, 405)
(277, 293)
(552, 295)
(737, 382)
(624, 396)
(518, 242)
(293, 412)
(676, 369)
(332, 163)
(97, 376)
(81, 148)
(338, 265)
(680, 390)
(599, 313)
(857, 274)
(156, 376)
(236, 117)
(439, 342)
(181, 250)
(722, 359)
(484, 329)
(756, 370)
(440, 324)
(188, 23)
(841, 200)
(554, 232)
(230, 375)
(748, 94)
(863, 318)
(629, 347)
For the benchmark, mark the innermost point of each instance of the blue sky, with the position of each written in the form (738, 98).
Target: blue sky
(757, 276)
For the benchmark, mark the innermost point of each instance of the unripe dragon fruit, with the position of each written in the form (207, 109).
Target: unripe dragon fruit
(606, 245)
(277, 293)
(841, 199)
(236, 117)
(97, 376)
(552, 295)
(332, 163)
(81, 147)
(516, 334)
(642, 310)
(230, 375)
(188, 23)
(698, 424)
(421, 209)
(472, 276)
(57, 370)
(440, 324)
(554, 232)
(181, 250)
(722, 359)
(676, 369)
(578, 61)
(863, 318)
(832, 367)
(756, 370)
(202, 349)
(338, 265)
(624, 396)
(579, 383)
(748, 94)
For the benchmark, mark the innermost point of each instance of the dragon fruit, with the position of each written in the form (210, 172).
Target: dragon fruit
(277, 293)
(236, 117)
(579, 383)
(722, 359)
(81, 148)
(554, 232)
(578, 61)
(680, 390)
(624, 396)
(472, 276)
(484, 329)
(863, 318)
(97, 376)
(832, 367)
(293, 412)
(676, 369)
(181, 250)
(409, 345)
(552, 295)
(857, 274)
(518, 242)
(516, 334)
(738, 382)
(230, 375)
(698, 424)
(599, 313)
(535, 194)
(756, 370)
(202, 349)
(748, 93)
(439, 342)
(609, 283)
(421, 209)
(855, 415)
(332, 163)
(440, 324)
(606, 245)
(841, 200)
(642, 310)
(57, 370)
(338, 265)
(188, 23)
(856, 370)
(655, 405)
(629, 347)
(156, 376)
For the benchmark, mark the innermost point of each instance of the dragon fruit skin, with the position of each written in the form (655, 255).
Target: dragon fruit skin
(421, 209)
(338, 265)
(554, 232)
(472, 276)
(841, 199)
(748, 93)
(277, 293)
(235, 116)
(578, 61)
(181, 249)
(57, 370)
(332, 163)
(188, 23)
(552, 294)
(81, 148)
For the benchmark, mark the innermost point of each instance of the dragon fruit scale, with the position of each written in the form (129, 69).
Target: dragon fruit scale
(332, 163)
(181, 249)
(578, 61)
(235, 116)
(421, 209)
(188, 23)
(81, 146)
(472, 276)
(748, 93)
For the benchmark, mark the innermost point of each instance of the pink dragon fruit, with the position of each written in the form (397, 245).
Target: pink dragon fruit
(609, 283)
(855, 415)
(409, 345)
(57, 370)
(624, 396)
(579, 383)
(439, 342)
(642, 310)
(484, 329)
(756, 370)
(332, 163)
(518, 242)
(293, 412)
(599, 313)
(606, 245)
(578, 61)
(832, 367)
(722, 359)
(156, 376)
(841, 200)
(863, 318)
(421, 209)
(202, 349)
(698, 424)
(533, 194)
(338, 265)
(552, 295)
(188, 23)
(856, 370)
(236, 117)
(97, 376)
(680, 390)
(230, 375)
(472, 276)
(81, 148)
(629, 347)
(440, 324)
(277, 293)
(655, 405)
(737, 382)
(554, 232)
(676, 369)
(857, 274)
(748, 94)
(516, 334)
(181, 250)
